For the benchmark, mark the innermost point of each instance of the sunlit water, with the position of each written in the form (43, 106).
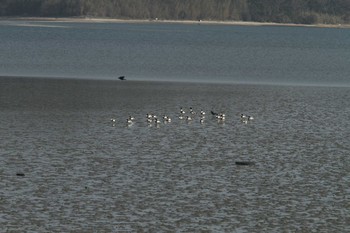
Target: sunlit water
(83, 173)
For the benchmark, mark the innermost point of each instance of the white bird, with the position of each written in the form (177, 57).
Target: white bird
(191, 111)
(182, 111)
(156, 121)
(221, 116)
(246, 118)
(166, 118)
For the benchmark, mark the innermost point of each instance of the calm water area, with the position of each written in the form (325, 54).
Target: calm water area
(204, 53)
(66, 167)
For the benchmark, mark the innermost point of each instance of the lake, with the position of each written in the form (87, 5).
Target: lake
(65, 166)
(177, 52)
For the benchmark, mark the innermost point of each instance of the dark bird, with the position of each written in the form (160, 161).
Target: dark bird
(214, 113)
(122, 78)
(244, 163)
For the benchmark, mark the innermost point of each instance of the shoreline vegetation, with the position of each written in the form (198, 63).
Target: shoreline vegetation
(271, 12)
(166, 21)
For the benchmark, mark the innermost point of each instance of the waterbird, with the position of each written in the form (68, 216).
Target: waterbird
(246, 118)
(166, 118)
(220, 116)
(182, 111)
(122, 78)
(191, 111)
(130, 119)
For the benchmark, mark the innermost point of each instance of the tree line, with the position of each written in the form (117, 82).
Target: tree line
(280, 11)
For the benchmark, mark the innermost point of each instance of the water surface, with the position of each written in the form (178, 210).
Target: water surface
(177, 52)
(84, 173)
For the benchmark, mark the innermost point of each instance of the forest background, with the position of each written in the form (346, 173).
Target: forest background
(278, 11)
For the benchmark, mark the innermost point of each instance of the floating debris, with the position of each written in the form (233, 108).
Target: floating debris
(244, 163)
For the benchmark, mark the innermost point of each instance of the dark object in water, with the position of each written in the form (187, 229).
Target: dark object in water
(244, 163)
(19, 174)
(214, 113)
(122, 77)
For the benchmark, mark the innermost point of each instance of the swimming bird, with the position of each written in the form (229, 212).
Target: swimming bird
(122, 78)
(246, 117)
(191, 111)
(156, 121)
(182, 111)
(113, 120)
(166, 119)
(220, 116)
(243, 116)
(130, 120)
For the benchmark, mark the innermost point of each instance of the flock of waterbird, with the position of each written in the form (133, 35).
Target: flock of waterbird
(190, 116)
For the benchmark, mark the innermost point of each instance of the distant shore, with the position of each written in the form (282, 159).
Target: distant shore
(205, 22)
